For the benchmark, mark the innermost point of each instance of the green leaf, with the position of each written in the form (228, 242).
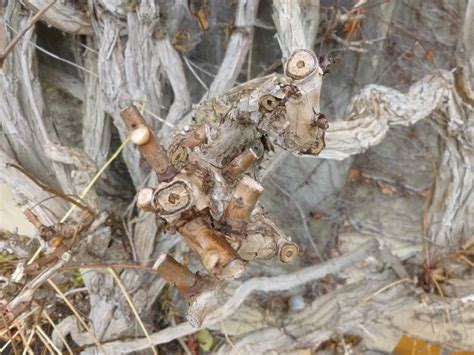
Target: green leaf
(205, 339)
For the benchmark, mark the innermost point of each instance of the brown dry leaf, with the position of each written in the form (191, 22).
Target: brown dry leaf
(350, 26)
(355, 175)
(193, 345)
(316, 215)
(182, 41)
(426, 193)
(469, 244)
(334, 253)
(386, 189)
(408, 345)
(439, 274)
(202, 19)
(429, 55)
(200, 15)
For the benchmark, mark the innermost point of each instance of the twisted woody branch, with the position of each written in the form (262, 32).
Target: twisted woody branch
(206, 190)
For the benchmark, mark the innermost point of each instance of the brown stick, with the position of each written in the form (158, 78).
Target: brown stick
(240, 164)
(22, 32)
(240, 207)
(217, 255)
(185, 281)
(200, 291)
(149, 145)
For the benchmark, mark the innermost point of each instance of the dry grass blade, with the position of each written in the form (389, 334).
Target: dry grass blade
(132, 306)
(227, 336)
(58, 331)
(443, 298)
(17, 321)
(76, 313)
(28, 342)
(10, 335)
(2, 349)
(378, 292)
(47, 339)
(23, 337)
(97, 176)
(44, 339)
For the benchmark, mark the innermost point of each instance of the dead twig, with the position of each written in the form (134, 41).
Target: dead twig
(49, 189)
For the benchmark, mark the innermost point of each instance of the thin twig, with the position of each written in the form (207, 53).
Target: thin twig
(180, 340)
(16, 322)
(30, 338)
(50, 189)
(9, 341)
(33, 332)
(132, 306)
(95, 75)
(22, 32)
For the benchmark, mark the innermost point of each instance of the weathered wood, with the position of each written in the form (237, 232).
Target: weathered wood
(237, 49)
(64, 16)
(217, 153)
(292, 35)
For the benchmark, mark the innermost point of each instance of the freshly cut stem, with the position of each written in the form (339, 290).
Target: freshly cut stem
(207, 242)
(240, 164)
(244, 199)
(152, 150)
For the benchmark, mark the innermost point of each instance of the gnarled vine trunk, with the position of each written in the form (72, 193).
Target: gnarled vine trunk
(232, 140)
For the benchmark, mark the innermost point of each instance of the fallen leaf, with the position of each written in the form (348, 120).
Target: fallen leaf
(386, 189)
(316, 215)
(425, 193)
(200, 15)
(355, 175)
(429, 55)
(350, 26)
(408, 345)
